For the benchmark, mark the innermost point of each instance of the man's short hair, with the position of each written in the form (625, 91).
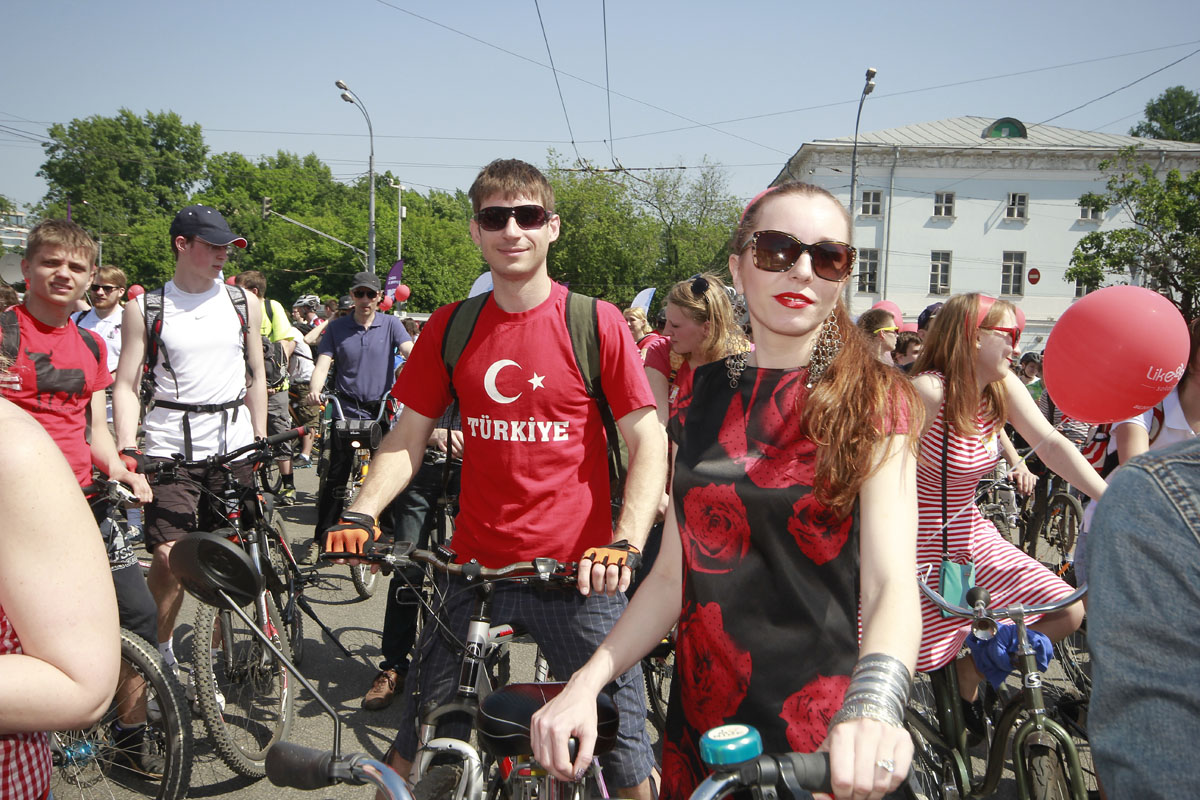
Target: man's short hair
(61, 233)
(510, 177)
(108, 274)
(871, 321)
(253, 280)
(905, 340)
(412, 326)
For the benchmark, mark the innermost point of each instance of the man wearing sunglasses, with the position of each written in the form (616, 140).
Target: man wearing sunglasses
(363, 346)
(535, 473)
(880, 327)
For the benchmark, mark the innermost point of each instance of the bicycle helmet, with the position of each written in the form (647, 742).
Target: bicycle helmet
(307, 300)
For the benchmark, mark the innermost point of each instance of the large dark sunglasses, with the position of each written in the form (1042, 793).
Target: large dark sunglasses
(494, 218)
(360, 293)
(776, 251)
(105, 288)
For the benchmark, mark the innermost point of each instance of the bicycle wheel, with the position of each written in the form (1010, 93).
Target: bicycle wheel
(269, 477)
(931, 776)
(439, 782)
(1076, 661)
(657, 669)
(284, 587)
(1056, 540)
(100, 762)
(255, 688)
(1047, 774)
(361, 574)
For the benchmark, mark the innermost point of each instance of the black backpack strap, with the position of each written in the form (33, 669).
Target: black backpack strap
(458, 332)
(238, 295)
(10, 340)
(153, 305)
(583, 326)
(92, 342)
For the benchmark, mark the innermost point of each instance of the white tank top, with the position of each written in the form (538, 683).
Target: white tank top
(202, 338)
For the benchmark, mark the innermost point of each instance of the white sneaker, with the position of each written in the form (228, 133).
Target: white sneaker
(189, 685)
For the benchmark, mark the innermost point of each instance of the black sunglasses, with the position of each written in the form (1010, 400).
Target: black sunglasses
(494, 218)
(776, 251)
(100, 287)
(699, 287)
(370, 293)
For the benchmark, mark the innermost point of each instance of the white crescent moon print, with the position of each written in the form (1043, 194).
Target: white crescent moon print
(489, 381)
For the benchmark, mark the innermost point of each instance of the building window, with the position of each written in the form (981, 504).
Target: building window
(1018, 206)
(1082, 288)
(1089, 214)
(872, 204)
(943, 204)
(1012, 275)
(868, 270)
(939, 272)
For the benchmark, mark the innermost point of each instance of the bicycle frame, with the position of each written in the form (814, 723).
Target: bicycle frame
(1035, 729)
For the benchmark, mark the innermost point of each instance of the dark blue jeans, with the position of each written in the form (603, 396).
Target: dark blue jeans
(415, 513)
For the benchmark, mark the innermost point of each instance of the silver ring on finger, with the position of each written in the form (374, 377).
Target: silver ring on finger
(886, 764)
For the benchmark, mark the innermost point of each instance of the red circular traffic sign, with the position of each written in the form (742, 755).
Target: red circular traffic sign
(1034, 275)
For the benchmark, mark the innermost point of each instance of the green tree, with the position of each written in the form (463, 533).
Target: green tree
(1162, 249)
(127, 168)
(7, 206)
(1174, 115)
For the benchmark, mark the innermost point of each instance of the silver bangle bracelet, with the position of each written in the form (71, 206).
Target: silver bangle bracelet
(865, 710)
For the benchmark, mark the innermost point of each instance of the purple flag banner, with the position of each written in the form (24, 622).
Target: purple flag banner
(395, 277)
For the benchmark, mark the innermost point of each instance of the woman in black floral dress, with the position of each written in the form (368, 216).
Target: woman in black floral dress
(789, 555)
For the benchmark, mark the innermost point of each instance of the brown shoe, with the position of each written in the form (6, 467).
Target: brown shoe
(382, 690)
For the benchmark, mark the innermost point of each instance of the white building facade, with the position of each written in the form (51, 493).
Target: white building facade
(973, 204)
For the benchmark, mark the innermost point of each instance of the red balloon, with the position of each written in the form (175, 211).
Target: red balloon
(386, 303)
(231, 279)
(888, 305)
(1115, 353)
(402, 293)
(135, 291)
(908, 327)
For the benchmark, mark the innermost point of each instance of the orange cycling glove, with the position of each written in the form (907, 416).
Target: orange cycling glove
(620, 553)
(354, 533)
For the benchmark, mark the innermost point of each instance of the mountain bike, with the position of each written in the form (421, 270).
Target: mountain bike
(1052, 525)
(448, 767)
(93, 762)
(997, 501)
(244, 693)
(1050, 755)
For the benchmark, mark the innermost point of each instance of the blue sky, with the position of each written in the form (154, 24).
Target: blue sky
(452, 85)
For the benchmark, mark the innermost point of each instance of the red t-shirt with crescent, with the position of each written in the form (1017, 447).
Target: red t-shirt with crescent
(535, 470)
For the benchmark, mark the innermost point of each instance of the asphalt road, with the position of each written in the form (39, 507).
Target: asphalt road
(342, 681)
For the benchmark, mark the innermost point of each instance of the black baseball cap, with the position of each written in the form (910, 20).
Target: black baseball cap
(205, 223)
(929, 313)
(345, 304)
(367, 280)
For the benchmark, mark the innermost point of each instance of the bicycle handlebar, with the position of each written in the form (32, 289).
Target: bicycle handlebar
(544, 569)
(259, 445)
(296, 766)
(113, 491)
(807, 771)
(981, 610)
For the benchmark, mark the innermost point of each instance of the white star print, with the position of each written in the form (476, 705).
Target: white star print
(536, 381)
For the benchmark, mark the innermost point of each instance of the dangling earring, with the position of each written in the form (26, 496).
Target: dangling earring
(829, 343)
(734, 365)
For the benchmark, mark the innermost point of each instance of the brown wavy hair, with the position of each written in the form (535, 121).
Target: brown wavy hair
(949, 348)
(858, 401)
(724, 336)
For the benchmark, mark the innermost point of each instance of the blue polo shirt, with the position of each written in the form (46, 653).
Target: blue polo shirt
(364, 360)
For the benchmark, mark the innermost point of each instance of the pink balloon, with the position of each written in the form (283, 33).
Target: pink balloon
(908, 327)
(402, 293)
(135, 291)
(1115, 353)
(386, 303)
(888, 305)
(231, 279)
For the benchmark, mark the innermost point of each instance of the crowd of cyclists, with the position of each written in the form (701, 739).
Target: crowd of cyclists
(786, 472)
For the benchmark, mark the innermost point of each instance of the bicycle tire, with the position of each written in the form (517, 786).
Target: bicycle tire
(657, 670)
(931, 772)
(1064, 514)
(293, 620)
(269, 477)
(439, 782)
(257, 689)
(88, 764)
(1047, 776)
(360, 575)
(1076, 661)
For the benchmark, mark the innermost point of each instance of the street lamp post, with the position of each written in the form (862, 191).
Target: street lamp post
(868, 87)
(399, 187)
(350, 97)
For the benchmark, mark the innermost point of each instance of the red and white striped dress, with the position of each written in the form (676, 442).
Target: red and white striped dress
(24, 757)
(1007, 573)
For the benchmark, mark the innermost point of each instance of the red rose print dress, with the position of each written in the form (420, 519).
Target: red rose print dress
(768, 634)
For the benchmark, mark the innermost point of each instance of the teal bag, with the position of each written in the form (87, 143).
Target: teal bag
(954, 579)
